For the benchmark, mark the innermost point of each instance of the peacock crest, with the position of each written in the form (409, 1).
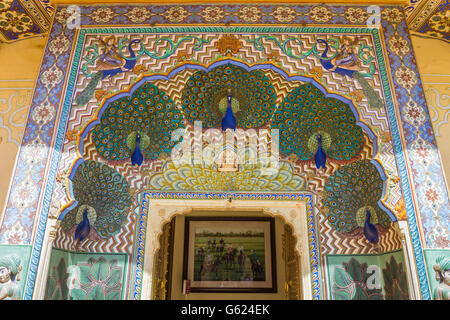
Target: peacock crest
(148, 112)
(104, 194)
(306, 116)
(204, 97)
(351, 192)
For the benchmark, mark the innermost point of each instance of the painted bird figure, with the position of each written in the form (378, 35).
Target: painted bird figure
(83, 228)
(229, 120)
(137, 157)
(320, 158)
(370, 230)
(314, 127)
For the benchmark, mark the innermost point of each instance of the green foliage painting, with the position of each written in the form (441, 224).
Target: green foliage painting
(57, 286)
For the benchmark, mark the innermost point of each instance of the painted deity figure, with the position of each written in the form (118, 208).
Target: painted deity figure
(109, 57)
(347, 56)
(442, 269)
(10, 268)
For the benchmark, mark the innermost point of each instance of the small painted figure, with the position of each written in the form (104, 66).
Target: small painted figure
(241, 248)
(10, 268)
(347, 63)
(442, 269)
(109, 63)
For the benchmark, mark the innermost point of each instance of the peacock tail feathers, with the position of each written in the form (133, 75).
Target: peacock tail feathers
(306, 112)
(252, 92)
(372, 97)
(351, 189)
(149, 111)
(105, 193)
(88, 92)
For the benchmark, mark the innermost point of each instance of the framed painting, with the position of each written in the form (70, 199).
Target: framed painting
(224, 254)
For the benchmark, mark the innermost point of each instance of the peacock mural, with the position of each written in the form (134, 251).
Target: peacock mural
(229, 96)
(102, 200)
(314, 127)
(138, 127)
(352, 195)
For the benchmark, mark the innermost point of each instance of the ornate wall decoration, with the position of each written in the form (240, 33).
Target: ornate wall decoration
(367, 277)
(439, 105)
(351, 191)
(250, 178)
(253, 91)
(307, 112)
(147, 111)
(113, 68)
(15, 99)
(81, 276)
(429, 18)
